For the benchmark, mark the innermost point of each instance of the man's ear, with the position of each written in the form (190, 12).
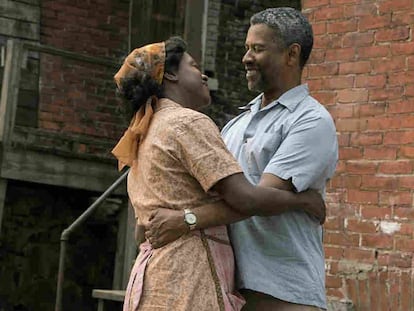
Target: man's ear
(294, 54)
(170, 76)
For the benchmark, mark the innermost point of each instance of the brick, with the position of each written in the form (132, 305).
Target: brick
(360, 9)
(402, 18)
(387, 93)
(333, 223)
(404, 212)
(363, 139)
(331, 40)
(409, 88)
(323, 69)
(395, 6)
(344, 139)
(399, 137)
(380, 153)
(360, 226)
(333, 252)
(389, 65)
(374, 22)
(341, 112)
(362, 167)
(406, 48)
(350, 125)
(350, 153)
(319, 28)
(395, 34)
(383, 123)
(407, 152)
(328, 13)
(352, 290)
(379, 182)
(341, 239)
(325, 97)
(342, 54)
(407, 121)
(404, 244)
(377, 241)
(317, 57)
(314, 3)
(406, 296)
(375, 212)
(371, 80)
(350, 25)
(400, 78)
(333, 281)
(396, 167)
(352, 95)
(357, 39)
(359, 255)
(346, 181)
(403, 106)
(396, 197)
(338, 82)
(371, 109)
(354, 67)
(373, 52)
(357, 196)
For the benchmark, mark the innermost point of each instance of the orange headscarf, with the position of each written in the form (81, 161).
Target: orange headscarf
(149, 59)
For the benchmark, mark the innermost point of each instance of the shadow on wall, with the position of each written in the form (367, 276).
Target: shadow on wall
(34, 218)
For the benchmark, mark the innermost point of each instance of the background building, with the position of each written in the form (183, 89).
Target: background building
(59, 119)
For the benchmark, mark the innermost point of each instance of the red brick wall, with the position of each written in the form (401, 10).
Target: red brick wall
(362, 69)
(77, 99)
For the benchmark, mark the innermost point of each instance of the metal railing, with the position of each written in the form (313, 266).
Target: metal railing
(67, 232)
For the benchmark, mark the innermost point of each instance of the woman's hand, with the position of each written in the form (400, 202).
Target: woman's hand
(165, 226)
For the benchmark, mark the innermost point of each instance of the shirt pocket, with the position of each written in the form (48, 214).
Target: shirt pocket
(260, 149)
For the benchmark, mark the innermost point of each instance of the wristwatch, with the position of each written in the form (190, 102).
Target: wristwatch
(190, 219)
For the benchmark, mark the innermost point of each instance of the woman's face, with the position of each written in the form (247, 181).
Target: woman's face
(193, 83)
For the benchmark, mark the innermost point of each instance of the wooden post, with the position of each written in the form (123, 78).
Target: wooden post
(3, 188)
(193, 28)
(130, 245)
(10, 89)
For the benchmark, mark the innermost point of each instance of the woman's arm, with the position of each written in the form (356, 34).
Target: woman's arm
(239, 196)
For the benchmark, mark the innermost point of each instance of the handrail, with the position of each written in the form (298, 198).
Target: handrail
(65, 236)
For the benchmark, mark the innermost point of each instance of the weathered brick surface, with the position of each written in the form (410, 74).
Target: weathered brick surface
(78, 99)
(362, 59)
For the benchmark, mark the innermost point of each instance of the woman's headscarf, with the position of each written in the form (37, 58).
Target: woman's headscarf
(149, 59)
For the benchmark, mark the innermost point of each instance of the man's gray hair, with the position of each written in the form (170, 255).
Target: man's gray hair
(291, 26)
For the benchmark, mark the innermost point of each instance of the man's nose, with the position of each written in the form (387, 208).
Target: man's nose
(246, 57)
(204, 77)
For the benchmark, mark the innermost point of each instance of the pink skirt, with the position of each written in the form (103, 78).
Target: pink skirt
(221, 260)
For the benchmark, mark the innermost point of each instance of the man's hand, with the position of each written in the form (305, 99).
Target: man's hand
(165, 226)
(315, 205)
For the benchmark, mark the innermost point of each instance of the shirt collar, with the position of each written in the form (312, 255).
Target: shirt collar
(289, 99)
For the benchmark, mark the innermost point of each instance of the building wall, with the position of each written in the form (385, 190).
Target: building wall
(362, 70)
(77, 99)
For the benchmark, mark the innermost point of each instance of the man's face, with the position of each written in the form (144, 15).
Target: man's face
(264, 59)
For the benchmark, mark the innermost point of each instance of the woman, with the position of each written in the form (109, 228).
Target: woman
(177, 157)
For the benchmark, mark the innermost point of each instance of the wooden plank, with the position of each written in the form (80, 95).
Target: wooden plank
(10, 89)
(141, 19)
(130, 245)
(3, 188)
(192, 28)
(114, 295)
(117, 282)
(20, 11)
(46, 168)
(31, 2)
(19, 29)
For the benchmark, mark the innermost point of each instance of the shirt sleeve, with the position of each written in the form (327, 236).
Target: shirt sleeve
(204, 154)
(308, 151)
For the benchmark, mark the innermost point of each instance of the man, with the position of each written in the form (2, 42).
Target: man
(285, 139)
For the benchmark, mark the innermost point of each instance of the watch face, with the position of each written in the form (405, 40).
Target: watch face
(190, 218)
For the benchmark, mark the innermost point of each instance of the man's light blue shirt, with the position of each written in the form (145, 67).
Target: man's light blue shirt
(292, 137)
